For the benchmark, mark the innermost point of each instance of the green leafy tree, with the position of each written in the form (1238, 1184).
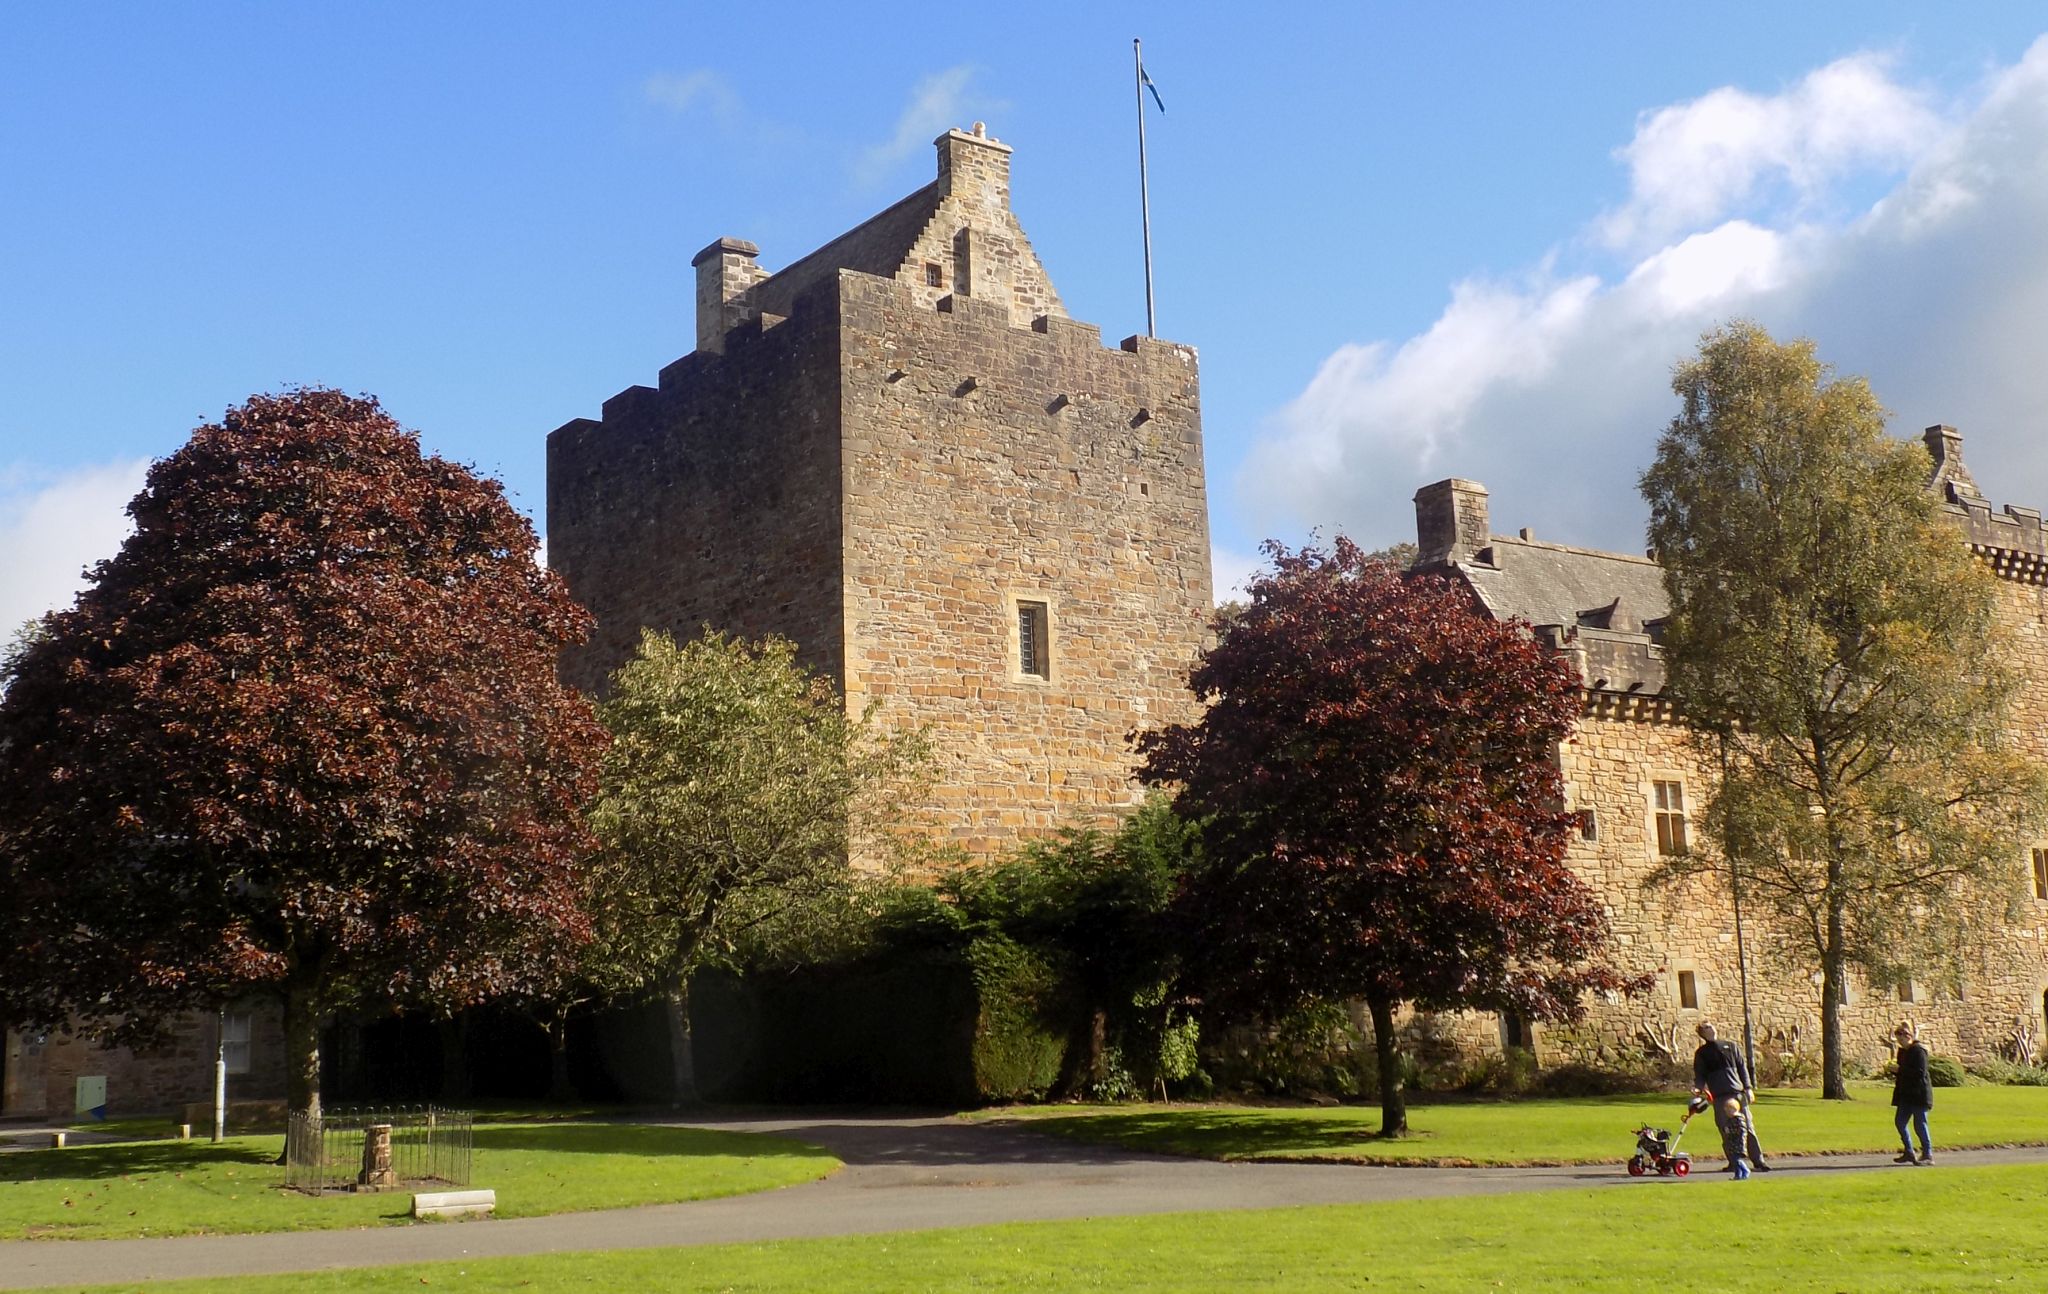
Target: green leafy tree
(1381, 806)
(736, 785)
(1837, 649)
(1098, 905)
(302, 737)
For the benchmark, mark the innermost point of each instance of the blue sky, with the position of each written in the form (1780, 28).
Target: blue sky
(1410, 241)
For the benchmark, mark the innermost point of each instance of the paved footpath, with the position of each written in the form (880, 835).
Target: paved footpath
(902, 1174)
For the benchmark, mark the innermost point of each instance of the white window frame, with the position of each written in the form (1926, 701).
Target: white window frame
(236, 1030)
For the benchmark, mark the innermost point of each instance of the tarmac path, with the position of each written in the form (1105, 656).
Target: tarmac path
(903, 1173)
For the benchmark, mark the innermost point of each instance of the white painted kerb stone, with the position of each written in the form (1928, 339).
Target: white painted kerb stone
(453, 1204)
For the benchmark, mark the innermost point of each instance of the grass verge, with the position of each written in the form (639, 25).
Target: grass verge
(1583, 1130)
(171, 1188)
(1919, 1229)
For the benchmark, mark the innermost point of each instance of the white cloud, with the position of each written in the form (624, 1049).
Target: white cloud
(1552, 390)
(1693, 163)
(939, 101)
(54, 525)
(1230, 570)
(699, 90)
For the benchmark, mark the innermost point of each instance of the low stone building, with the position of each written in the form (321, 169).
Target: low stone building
(1636, 786)
(41, 1074)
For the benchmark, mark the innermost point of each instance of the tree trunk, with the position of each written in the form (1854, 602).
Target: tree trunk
(1098, 1046)
(302, 1025)
(456, 1087)
(1393, 1103)
(560, 1089)
(681, 1050)
(1832, 1088)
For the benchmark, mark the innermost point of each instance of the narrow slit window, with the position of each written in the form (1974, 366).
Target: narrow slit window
(1034, 645)
(1688, 991)
(1589, 826)
(1669, 802)
(2041, 873)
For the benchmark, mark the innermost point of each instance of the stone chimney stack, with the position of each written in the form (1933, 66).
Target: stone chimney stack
(974, 168)
(725, 272)
(1951, 479)
(1451, 524)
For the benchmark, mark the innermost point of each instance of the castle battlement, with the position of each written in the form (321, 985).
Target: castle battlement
(2012, 541)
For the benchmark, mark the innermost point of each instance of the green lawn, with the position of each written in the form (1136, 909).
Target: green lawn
(162, 1188)
(1575, 1131)
(1917, 1229)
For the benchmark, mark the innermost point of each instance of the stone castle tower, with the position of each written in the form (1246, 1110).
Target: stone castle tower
(899, 452)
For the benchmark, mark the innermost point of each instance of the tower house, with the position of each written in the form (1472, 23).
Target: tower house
(900, 453)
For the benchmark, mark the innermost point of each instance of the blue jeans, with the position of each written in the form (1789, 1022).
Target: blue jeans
(1919, 1118)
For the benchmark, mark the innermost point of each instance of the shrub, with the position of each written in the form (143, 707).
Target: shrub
(1510, 1073)
(1995, 1069)
(1945, 1071)
(1576, 1079)
(1017, 1054)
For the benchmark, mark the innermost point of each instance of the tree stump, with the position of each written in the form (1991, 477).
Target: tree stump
(377, 1174)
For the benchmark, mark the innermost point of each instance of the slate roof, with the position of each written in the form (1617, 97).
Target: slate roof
(1550, 584)
(1606, 605)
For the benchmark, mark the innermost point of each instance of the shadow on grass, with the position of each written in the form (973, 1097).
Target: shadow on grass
(636, 1139)
(1229, 1134)
(128, 1157)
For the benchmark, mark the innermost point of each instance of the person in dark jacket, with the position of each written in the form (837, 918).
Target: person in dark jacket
(1912, 1096)
(1720, 1073)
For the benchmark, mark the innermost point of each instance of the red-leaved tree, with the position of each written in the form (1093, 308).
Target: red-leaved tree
(1381, 806)
(303, 736)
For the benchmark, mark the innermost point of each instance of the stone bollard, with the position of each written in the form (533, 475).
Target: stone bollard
(56, 1141)
(377, 1174)
(184, 1132)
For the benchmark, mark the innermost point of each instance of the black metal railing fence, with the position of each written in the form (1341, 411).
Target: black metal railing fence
(430, 1145)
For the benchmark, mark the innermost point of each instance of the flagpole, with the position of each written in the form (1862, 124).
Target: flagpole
(1144, 189)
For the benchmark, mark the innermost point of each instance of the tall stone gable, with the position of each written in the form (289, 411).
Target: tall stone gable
(898, 451)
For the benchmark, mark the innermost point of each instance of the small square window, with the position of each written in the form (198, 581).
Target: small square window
(1688, 991)
(1668, 799)
(1909, 992)
(234, 1038)
(1034, 645)
(1589, 825)
(934, 274)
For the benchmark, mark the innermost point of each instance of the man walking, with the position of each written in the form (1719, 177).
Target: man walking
(1720, 1074)
(1912, 1095)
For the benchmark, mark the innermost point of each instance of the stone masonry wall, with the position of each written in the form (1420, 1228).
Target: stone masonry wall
(987, 464)
(713, 499)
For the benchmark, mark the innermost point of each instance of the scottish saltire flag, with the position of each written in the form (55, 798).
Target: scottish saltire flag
(1145, 79)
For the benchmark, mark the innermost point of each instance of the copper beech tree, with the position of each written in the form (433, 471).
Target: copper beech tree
(1381, 807)
(302, 737)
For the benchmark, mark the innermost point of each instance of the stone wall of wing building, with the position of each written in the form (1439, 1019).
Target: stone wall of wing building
(1601, 610)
